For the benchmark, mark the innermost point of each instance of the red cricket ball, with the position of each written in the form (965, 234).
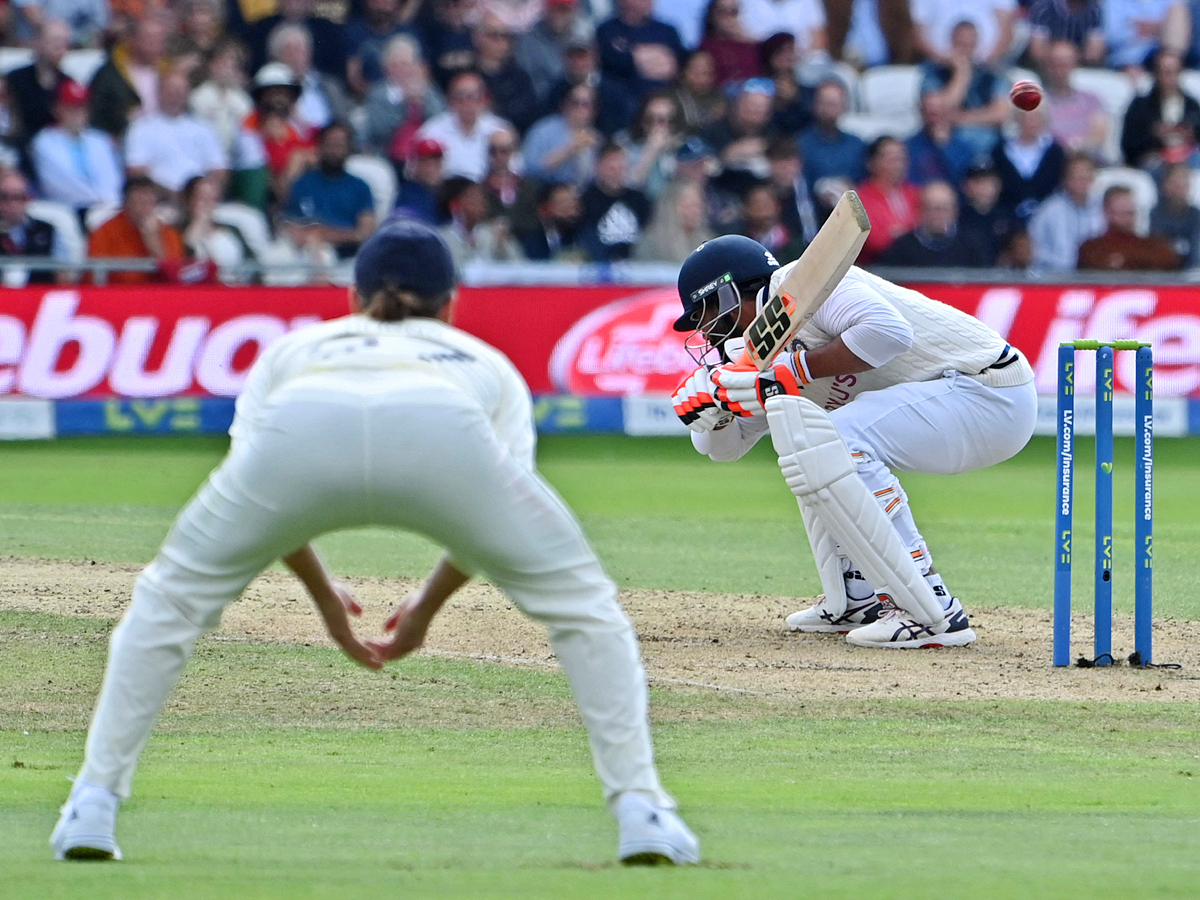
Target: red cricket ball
(1025, 95)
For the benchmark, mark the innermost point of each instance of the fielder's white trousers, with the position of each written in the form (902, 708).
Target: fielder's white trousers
(328, 458)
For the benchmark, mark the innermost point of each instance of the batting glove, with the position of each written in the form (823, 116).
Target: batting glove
(695, 404)
(744, 392)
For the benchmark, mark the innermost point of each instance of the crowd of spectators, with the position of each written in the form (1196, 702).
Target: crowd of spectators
(209, 132)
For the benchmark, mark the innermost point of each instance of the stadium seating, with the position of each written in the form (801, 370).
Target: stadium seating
(889, 91)
(1145, 193)
(66, 226)
(380, 178)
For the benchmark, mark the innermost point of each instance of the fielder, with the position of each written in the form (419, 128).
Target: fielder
(881, 380)
(389, 416)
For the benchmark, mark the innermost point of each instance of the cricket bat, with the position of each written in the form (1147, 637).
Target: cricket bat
(817, 272)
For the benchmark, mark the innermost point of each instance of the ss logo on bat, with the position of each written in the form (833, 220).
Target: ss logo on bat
(772, 326)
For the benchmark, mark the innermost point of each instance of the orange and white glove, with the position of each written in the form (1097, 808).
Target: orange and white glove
(695, 404)
(745, 391)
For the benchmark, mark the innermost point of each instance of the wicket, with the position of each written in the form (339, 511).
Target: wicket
(1143, 499)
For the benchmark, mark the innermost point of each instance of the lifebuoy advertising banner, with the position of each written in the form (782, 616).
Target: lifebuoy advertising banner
(172, 359)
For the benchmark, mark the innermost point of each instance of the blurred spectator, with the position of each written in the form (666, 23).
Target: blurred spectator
(193, 42)
(613, 213)
(1077, 118)
(32, 88)
(615, 104)
(828, 151)
(976, 95)
(469, 235)
(562, 147)
(938, 241)
(869, 33)
(1030, 163)
(1066, 219)
(1162, 126)
(271, 144)
(508, 193)
(509, 86)
(891, 201)
(740, 139)
(636, 50)
(203, 237)
(1017, 252)
(465, 128)
(651, 142)
(982, 212)
(1078, 23)
(367, 38)
(222, 101)
(938, 152)
(171, 146)
(1174, 218)
(991, 24)
(696, 93)
(694, 164)
(735, 54)
(75, 164)
(325, 37)
(685, 16)
(327, 203)
(792, 102)
(86, 19)
(554, 232)
(678, 227)
(10, 156)
(401, 102)
(1119, 248)
(1134, 29)
(761, 221)
(803, 19)
(419, 192)
(797, 211)
(322, 99)
(541, 50)
(137, 232)
(447, 41)
(21, 235)
(127, 83)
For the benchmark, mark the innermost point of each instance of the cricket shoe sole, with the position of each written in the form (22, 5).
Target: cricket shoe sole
(896, 631)
(818, 619)
(86, 831)
(652, 835)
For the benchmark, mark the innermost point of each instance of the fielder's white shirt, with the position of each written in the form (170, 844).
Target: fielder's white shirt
(416, 354)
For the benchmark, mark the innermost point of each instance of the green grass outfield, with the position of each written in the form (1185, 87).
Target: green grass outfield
(283, 771)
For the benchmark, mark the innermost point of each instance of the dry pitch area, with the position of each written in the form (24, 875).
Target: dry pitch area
(724, 642)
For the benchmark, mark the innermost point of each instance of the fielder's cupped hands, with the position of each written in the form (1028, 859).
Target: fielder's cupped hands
(337, 623)
(408, 624)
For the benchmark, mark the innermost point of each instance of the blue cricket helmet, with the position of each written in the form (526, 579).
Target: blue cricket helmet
(721, 268)
(407, 255)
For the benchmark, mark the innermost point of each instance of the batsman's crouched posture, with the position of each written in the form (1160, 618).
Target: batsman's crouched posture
(882, 379)
(388, 417)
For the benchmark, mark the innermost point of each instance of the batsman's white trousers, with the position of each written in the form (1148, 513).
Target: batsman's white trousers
(328, 456)
(951, 425)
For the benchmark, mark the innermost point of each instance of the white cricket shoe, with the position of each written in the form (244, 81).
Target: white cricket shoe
(896, 631)
(819, 618)
(86, 828)
(652, 835)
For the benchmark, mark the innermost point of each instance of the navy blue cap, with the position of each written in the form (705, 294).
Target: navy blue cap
(406, 254)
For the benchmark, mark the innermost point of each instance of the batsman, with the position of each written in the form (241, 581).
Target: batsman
(856, 379)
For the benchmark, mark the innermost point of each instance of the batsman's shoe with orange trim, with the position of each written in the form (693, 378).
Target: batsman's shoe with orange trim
(896, 631)
(820, 619)
(86, 829)
(653, 835)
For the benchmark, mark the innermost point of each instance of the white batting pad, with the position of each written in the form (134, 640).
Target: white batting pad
(819, 471)
(825, 553)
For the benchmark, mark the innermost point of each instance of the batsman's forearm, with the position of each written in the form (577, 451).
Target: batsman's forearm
(834, 359)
